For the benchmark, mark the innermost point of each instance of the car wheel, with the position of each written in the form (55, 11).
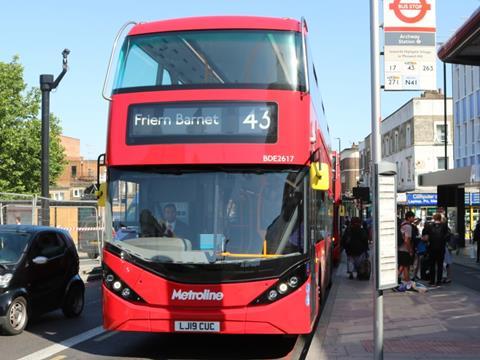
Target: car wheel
(74, 301)
(16, 318)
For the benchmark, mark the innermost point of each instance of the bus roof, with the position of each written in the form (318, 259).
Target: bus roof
(216, 22)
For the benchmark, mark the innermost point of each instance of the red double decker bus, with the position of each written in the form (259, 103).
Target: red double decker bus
(219, 180)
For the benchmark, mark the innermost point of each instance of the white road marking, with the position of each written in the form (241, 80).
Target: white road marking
(54, 349)
(105, 336)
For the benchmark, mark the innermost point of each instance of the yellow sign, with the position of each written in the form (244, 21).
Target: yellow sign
(102, 194)
(319, 176)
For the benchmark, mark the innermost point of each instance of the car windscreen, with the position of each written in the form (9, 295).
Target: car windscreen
(12, 245)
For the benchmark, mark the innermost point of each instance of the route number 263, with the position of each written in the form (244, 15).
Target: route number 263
(263, 123)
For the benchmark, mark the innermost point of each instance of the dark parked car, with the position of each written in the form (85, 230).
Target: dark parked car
(38, 273)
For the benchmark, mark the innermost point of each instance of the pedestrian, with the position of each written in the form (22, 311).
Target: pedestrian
(476, 239)
(405, 247)
(356, 246)
(344, 243)
(436, 234)
(419, 249)
(18, 220)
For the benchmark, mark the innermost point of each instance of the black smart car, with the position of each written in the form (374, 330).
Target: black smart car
(38, 273)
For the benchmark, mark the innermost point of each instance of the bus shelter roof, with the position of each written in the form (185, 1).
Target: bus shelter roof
(464, 45)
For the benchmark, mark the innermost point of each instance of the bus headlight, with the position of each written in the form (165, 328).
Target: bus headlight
(293, 282)
(117, 286)
(282, 288)
(272, 295)
(287, 284)
(126, 292)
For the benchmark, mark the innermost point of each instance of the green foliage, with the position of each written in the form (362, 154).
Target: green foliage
(20, 134)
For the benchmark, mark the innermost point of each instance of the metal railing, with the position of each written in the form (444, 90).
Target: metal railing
(83, 219)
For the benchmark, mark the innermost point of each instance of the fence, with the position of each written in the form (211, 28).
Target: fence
(81, 219)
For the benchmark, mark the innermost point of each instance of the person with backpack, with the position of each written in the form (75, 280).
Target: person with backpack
(405, 246)
(436, 233)
(357, 247)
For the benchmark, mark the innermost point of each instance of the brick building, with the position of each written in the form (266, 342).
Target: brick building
(78, 174)
(349, 169)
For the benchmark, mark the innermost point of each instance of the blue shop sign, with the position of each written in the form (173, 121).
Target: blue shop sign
(427, 199)
(472, 198)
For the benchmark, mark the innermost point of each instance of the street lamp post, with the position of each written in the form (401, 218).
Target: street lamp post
(339, 145)
(47, 84)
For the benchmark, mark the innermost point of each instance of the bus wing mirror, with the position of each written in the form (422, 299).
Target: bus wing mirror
(101, 194)
(319, 176)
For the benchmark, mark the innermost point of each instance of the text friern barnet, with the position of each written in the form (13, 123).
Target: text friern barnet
(180, 119)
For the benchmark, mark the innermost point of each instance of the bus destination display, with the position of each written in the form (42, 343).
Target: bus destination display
(205, 122)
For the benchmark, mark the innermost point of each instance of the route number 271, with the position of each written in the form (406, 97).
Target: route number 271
(263, 123)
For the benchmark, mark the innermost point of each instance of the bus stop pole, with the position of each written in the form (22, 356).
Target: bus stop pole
(375, 151)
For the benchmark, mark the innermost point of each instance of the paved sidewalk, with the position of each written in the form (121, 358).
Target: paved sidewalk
(443, 323)
(89, 267)
(466, 257)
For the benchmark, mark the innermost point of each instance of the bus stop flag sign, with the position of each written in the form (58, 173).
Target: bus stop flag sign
(410, 56)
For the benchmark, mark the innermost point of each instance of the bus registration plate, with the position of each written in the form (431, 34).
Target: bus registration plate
(197, 326)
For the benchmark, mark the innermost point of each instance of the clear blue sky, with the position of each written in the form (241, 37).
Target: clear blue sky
(339, 33)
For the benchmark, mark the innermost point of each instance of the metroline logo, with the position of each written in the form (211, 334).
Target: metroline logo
(205, 295)
(420, 8)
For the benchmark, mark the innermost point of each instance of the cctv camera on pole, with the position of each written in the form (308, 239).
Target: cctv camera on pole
(47, 84)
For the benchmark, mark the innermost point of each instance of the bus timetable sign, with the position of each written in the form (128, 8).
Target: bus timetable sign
(410, 57)
(205, 122)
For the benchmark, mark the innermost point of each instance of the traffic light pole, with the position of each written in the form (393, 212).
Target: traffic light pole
(47, 84)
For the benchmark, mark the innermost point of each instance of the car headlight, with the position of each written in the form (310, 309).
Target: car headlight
(5, 280)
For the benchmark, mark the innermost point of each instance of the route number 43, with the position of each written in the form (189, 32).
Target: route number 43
(263, 123)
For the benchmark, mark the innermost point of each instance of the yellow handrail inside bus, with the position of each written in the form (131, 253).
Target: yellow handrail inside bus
(250, 255)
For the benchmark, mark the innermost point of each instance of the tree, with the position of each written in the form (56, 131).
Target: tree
(20, 134)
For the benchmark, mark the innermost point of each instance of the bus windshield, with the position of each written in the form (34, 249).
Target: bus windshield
(207, 216)
(211, 59)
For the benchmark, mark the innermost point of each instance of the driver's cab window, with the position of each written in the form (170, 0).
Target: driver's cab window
(49, 245)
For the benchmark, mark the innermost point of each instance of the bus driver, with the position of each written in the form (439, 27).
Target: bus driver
(175, 227)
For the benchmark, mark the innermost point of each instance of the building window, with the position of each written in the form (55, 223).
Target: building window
(471, 105)
(457, 111)
(77, 193)
(439, 133)
(409, 168)
(396, 141)
(441, 163)
(408, 136)
(477, 95)
(472, 129)
(457, 70)
(465, 133)
(74, 171)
